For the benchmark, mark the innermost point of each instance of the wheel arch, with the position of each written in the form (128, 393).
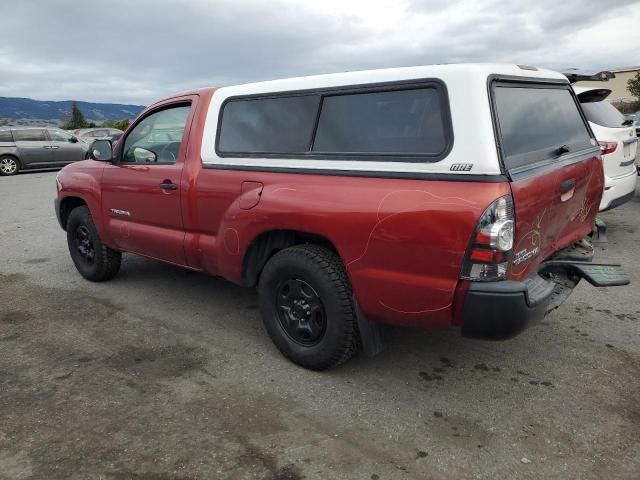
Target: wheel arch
(268, 243)
(12, 155)
(67, 204)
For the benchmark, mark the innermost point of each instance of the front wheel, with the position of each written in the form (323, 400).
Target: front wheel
(93, 259)
(9, 165)
(306, 306)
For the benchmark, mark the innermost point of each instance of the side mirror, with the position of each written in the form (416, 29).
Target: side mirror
(73, 139)
(142, 155)
(101, 150)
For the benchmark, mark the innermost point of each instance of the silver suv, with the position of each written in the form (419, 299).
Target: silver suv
(23, 148)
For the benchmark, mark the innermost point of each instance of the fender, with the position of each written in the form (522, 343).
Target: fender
(84, 183)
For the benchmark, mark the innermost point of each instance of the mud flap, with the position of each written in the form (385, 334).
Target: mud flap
(371, 334)
(597, 274)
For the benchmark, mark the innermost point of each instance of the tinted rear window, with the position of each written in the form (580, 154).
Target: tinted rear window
(400, 121)
(534, 122)
(32, 135)
(268, 125)
(603, 113)
(5, 136)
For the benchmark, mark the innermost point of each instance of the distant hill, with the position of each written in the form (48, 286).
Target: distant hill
(29, 111)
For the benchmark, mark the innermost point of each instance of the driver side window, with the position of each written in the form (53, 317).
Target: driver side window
(156, 139)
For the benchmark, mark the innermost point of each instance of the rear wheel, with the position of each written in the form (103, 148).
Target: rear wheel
(93, 259)
(9, 165)
(305, 302)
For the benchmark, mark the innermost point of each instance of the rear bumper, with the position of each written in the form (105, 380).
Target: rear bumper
(619, 190)
(501, 310)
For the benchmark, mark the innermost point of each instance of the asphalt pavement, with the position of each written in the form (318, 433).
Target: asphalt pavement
(165, 374)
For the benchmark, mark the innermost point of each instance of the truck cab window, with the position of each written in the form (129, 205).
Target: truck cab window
(157, 138)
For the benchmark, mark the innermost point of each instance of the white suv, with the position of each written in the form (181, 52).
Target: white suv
(618, 142)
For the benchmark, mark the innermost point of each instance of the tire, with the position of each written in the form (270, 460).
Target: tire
(93, 259)
(9, 165)
(320, 330)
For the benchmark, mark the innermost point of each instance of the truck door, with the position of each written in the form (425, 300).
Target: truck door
(141, 189)
(34, 149)
(65, 147)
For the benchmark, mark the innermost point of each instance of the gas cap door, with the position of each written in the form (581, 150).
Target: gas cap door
(250, 194)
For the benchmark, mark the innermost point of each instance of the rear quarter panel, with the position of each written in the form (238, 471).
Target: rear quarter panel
(402, 241)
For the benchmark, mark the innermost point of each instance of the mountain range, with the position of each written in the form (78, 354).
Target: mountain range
(27, 110)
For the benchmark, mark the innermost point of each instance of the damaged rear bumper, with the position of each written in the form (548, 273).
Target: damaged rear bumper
(501, 310)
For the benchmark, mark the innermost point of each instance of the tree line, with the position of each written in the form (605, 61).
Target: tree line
(633, 85)
(75, 120)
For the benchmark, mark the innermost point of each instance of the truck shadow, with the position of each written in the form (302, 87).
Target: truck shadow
(433, 355)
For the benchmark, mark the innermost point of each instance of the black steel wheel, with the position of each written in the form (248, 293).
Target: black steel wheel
(92, 258)
(306, 306)
(84, 245)
(300, 312)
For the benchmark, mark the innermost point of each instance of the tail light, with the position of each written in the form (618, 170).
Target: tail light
(607, 147)
(490, 249)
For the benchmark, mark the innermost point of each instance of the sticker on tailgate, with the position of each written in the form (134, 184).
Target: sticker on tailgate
(534, 238)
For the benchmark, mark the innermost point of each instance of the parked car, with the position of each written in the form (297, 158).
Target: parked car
(113, 137)
(412, 196)
(162, 136)
(88, 135)
(617, 138)
(24, 148)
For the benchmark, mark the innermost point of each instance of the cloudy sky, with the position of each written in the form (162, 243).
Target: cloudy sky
(138, 51)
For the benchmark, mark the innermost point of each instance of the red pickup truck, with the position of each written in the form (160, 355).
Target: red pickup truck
(450, 195)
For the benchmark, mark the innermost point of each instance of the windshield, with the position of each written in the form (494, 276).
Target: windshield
(604, 114)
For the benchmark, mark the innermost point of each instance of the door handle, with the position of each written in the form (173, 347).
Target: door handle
(54, 147)
(567, 185)
(168, 185)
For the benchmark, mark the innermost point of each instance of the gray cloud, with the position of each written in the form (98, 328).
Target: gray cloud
(138, 51)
